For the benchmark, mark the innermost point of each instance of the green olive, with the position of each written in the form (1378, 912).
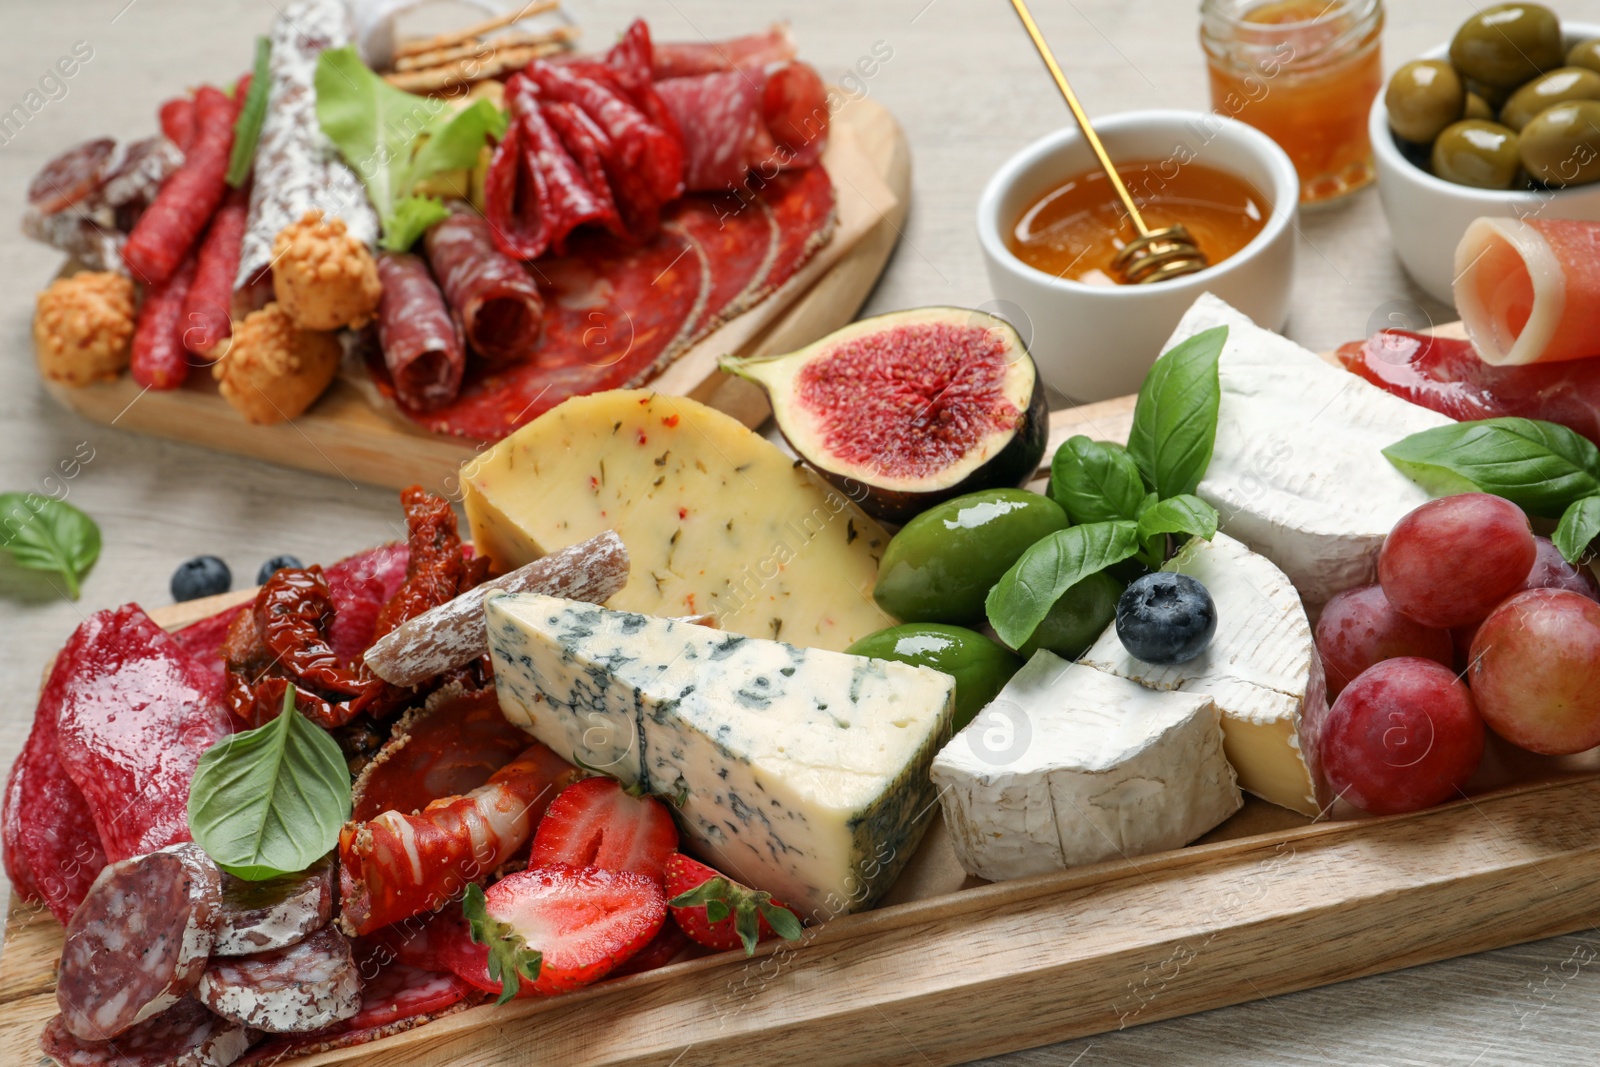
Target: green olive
(1585, 54)
(1078, 618)
(981, 667)
(1423, 98)
(1548, 90)
(1508, 44)
(1477, 108)
(1561, 144)
(1477, 153)
(942, 564)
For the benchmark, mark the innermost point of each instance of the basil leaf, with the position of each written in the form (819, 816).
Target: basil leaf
(270, 801)
(1539, 466)
(1580, 524)
(1175, 418)
(252, 113)
(1095, 481)
(1184, 514)
(48, 535)
(1024, 595)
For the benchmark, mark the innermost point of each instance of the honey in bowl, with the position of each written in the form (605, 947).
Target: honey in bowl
(1075, 228)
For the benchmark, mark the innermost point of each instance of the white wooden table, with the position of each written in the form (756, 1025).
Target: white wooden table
(968, 91)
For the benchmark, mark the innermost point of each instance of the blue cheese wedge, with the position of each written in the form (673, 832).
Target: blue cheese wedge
(1262, 669)
(716, 518)
(799, 771)
(1069, 765)
(1298, 472)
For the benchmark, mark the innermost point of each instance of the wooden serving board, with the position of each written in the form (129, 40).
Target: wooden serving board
(951, 969)
(347, 435)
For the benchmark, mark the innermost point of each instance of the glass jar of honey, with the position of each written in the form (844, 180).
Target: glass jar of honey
(1305, 73)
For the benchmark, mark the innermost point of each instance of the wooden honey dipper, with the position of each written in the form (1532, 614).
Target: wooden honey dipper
(1155, 255)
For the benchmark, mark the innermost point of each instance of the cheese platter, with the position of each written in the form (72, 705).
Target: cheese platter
(689, 747)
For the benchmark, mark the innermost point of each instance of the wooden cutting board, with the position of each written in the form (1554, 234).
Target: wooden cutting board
(952, 969)
(345, 434)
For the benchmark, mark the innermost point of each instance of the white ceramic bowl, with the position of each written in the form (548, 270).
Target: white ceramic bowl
(1092, 342)
(1428, 215)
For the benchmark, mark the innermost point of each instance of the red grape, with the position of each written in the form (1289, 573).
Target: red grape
(1449, 562)
(1535, 671)
(1359, 627)
(1403, 736)
(1552, 571)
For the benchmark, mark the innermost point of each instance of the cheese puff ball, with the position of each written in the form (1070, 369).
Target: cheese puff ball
(323, 277)
(273, 369)
(83, 326)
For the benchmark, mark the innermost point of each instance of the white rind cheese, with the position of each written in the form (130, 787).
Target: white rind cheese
(798, 771)
(1069, 765)
(1262, 669)
(1298, 472)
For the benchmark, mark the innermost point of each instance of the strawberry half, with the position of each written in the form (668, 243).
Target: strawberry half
(552, 929)
(597, 823)
(717, 912)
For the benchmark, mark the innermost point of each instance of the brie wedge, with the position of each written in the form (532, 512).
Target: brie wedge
(1298, 472)
(1262, 669)
(1069, 765)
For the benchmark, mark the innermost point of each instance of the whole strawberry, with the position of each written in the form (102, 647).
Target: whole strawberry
(717, 912)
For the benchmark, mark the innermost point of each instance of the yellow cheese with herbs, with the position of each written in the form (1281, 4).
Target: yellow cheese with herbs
(716, 518)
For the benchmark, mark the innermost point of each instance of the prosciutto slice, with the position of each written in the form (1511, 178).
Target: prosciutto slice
(1444, 374)
(1529, 290)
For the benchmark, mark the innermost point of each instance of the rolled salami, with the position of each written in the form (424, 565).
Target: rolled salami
(494, 298)
(421, 346)
(172, 224)
(296, 168)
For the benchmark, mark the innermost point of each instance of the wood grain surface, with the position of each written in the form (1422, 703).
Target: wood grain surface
(967, 93)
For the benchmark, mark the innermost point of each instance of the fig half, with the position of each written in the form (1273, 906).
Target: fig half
(911, 408)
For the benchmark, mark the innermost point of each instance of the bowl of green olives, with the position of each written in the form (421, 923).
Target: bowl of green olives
(1503, 121)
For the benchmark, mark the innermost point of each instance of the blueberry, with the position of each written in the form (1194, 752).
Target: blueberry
(201, 576)
(1166, 618)
(274, 565)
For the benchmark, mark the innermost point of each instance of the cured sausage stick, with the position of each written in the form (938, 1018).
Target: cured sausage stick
(453, 634)
(296, 170)
(159, 359)
(170, 226)
(207, 311)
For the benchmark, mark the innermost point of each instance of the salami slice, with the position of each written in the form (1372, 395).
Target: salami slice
(679, 59)
(495, 299)
(160, 360)
(452, 635)
(72, 176)
(207, 317)
(719, 115)
(359, 586)
(794, 109)
(185, 1035)
(171, 225)
(133, 713)
(140, 941)
(421, 345)
(395, 997)
(137, 178)
(307, 986)
(52, 849)
(589, 148)
(296, 167)
(275, 913)
(446, 748)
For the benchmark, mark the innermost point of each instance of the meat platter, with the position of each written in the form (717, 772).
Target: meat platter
(354, 429)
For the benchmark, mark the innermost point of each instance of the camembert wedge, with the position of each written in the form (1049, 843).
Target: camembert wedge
(716, 518)
(1069, 765)
(798, 771)
(1298, 472)
(1262, 669)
